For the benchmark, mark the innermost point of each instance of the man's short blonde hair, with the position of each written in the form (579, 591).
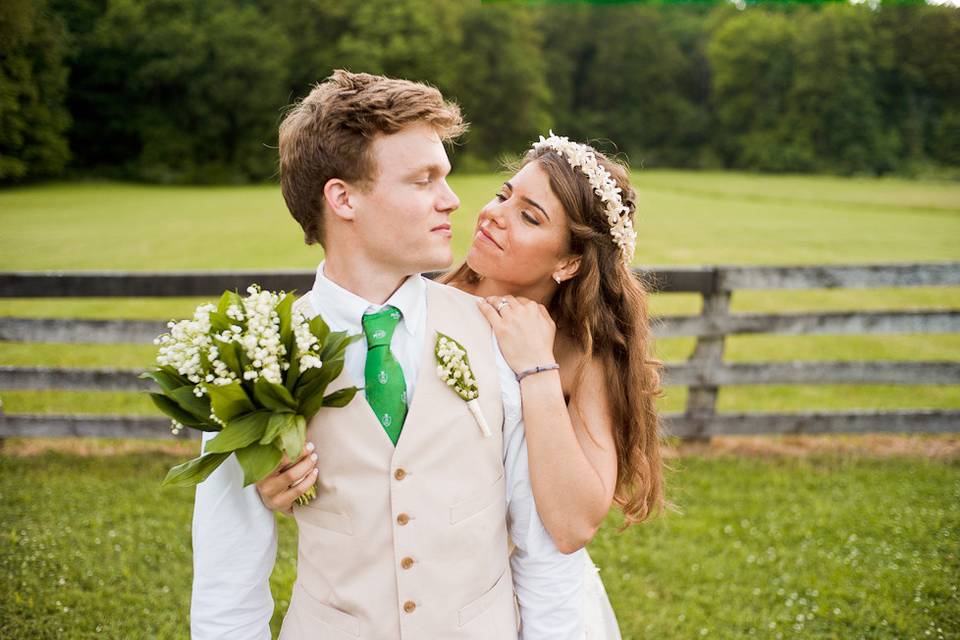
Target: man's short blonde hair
(329, 134)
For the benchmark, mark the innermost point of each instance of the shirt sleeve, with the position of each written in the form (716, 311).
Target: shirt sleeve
(549, 584)
(234, 549)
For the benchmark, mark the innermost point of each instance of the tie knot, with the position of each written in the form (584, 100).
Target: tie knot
(379, 326)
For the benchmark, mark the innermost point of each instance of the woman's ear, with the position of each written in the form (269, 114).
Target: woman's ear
(337, 194)
(566, 269)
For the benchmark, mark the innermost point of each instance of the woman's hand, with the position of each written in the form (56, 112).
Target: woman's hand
(287, 482)
(525, 331)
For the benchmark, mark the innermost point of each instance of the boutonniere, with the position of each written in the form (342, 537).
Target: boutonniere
(453, 367)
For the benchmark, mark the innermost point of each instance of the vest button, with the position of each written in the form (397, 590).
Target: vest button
(406, 563)
(403, 519)
(409, 606)
(400, 474)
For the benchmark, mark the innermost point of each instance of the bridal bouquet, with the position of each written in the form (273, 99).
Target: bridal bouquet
(252, 369)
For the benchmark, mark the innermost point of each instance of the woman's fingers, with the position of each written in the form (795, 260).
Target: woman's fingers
(490, 312)
(274, 489)
(286, 499)
(293, 474)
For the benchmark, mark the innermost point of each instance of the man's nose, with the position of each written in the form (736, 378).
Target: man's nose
(449, 201)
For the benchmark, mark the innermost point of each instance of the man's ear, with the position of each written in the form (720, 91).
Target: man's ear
(566, 269)
(337, 194)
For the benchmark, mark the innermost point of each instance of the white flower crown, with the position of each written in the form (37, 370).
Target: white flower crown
(618, 215)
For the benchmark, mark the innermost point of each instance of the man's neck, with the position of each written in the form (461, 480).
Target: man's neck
(369, 281)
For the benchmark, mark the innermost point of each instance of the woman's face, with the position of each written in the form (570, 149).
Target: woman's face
(522, 235)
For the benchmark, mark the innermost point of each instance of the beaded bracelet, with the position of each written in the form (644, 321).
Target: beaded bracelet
(537, 369)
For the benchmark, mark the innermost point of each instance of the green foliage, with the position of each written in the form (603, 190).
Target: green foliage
(505, 93)
(192, 90)
(33, 82)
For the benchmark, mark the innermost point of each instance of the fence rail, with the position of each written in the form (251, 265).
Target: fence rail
(704, 373)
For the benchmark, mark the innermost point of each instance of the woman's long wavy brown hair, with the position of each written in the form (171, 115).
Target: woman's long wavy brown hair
(604, 309)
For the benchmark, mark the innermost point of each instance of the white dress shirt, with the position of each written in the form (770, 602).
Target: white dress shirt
(235, 537)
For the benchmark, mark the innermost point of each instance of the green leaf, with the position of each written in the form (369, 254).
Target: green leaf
(227, 299)
(319, 328)
(340, 398)
(293, 436)
(257, 461)
(273, 396)
(284, 312)
(176, 412)
(336, 344)
(293, 373)
(199, 407)
(277, 423)
(170, 371)
(219, 322)
(229, 401)
(166, 381)
(229, 353)
(240, 432)
(310, 395)
(193, 472)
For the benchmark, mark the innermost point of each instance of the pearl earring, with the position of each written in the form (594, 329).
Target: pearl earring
(556, 279)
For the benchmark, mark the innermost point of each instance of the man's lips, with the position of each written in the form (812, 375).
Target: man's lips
(486, 234)
(443, 229)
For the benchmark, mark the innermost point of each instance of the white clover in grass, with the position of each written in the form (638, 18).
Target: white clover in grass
(453, 367)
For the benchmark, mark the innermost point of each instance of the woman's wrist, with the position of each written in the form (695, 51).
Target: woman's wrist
(540, 368)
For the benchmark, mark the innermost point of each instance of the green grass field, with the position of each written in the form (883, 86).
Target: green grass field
(825, 547)
(833, 545)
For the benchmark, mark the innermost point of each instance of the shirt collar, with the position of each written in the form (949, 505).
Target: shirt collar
(343, 309)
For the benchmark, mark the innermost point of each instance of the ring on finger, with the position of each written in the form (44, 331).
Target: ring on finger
(503, 303)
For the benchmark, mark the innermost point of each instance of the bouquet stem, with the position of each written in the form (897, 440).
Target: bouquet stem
(307, 495)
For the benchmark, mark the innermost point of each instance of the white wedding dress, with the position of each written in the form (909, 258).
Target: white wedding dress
(599, 621)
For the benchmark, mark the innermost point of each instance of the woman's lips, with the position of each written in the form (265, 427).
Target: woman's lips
(485, 235)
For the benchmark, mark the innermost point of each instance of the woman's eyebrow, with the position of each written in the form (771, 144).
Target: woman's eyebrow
(529, 201)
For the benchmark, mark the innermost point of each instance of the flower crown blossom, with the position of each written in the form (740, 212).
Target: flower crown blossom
(582, 157)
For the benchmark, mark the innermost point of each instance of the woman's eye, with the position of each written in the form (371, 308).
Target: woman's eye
(529, 218)
(500, 197)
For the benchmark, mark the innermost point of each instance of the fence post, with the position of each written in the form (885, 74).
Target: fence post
(707, 356)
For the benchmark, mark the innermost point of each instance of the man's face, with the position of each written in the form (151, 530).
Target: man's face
(403, 217)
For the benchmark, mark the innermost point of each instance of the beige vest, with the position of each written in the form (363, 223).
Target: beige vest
(409, 542)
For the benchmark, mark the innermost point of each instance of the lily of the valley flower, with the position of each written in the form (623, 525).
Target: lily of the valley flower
(453, 367)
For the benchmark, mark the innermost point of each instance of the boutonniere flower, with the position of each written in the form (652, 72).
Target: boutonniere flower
(453, 367)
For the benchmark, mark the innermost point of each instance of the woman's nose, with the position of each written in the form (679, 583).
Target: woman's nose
(494, 214)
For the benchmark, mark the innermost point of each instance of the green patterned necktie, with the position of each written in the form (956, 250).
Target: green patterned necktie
(386, 389)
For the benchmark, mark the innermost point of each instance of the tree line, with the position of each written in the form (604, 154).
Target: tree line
(193, 90)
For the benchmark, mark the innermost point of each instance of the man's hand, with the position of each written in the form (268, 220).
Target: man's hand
(289, 481)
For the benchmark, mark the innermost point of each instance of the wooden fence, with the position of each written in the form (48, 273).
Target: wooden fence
(704, 373)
